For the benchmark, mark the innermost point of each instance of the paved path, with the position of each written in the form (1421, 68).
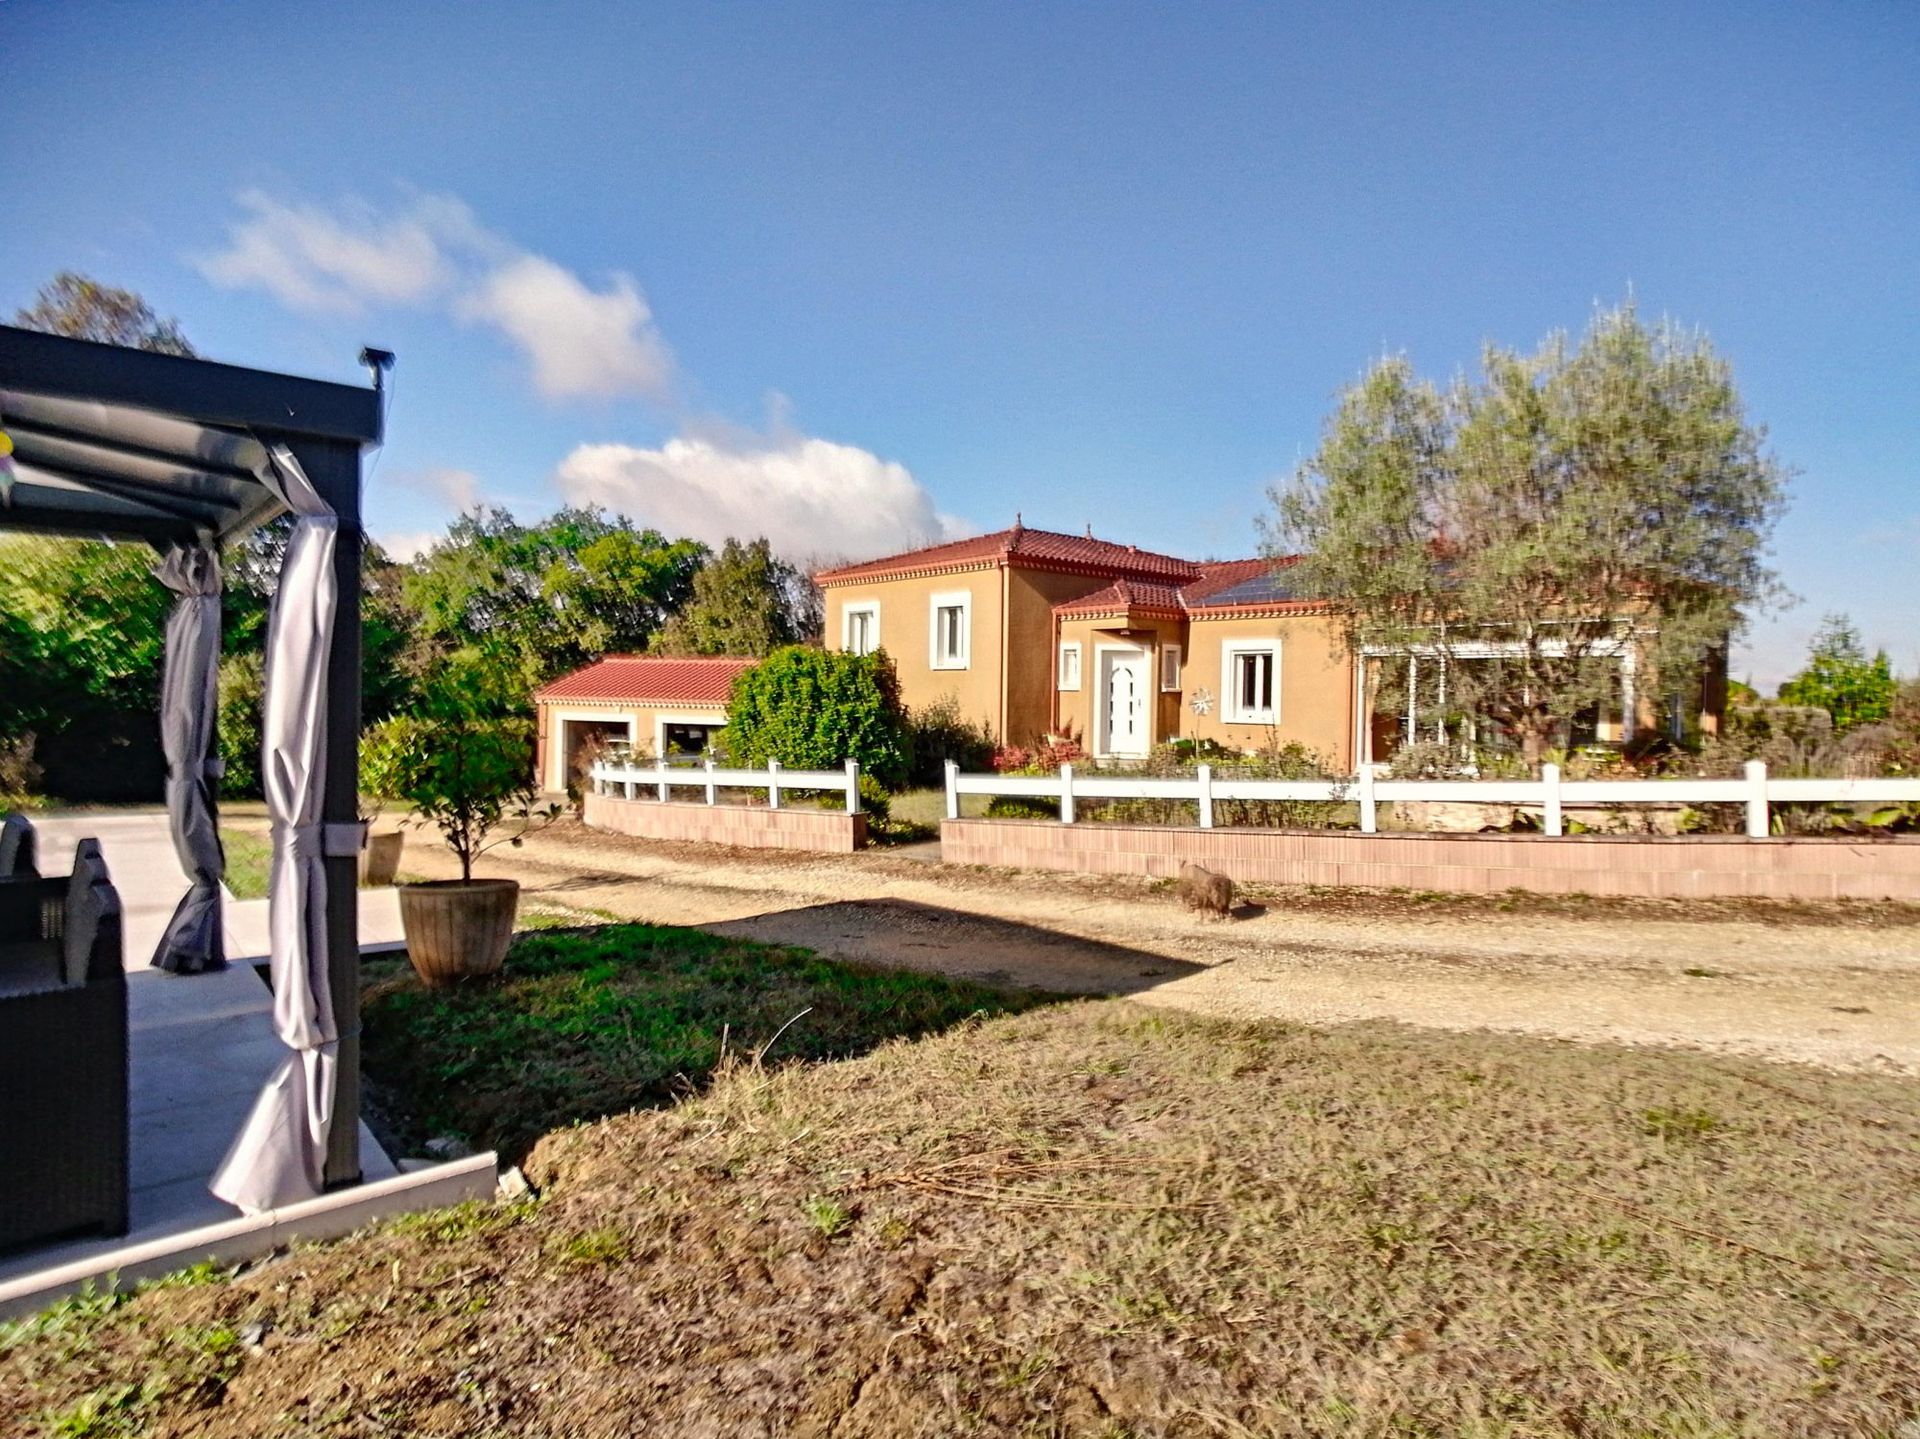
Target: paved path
(200, 1046)
(148, 876)
(1838, 986)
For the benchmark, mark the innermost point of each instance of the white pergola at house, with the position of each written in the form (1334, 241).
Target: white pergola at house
(187, 456)
(1435, 660)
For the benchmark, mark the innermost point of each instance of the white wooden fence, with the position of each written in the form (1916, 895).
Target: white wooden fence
(662, 779)
(1756, 792)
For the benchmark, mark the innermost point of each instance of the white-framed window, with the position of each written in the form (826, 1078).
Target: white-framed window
(860, 628)
(1070, 666)
(1171, 658)
(1250, 682)
(950, 624)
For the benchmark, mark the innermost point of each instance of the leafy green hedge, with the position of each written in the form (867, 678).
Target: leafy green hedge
(816, 709)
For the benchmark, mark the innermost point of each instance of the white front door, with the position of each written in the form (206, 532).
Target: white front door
(1123, 695)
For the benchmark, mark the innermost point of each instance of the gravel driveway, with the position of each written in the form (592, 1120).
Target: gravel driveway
(1837, 986)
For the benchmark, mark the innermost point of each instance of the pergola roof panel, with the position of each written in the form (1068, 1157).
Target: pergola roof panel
(123, 444)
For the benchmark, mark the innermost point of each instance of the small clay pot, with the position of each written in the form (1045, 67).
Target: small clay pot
(380, 860)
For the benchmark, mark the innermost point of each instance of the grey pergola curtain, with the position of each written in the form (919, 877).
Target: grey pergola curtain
(189, 700)
(279, 1155)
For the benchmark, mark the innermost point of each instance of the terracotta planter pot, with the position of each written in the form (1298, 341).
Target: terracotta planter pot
(380, 860)
(457, 929)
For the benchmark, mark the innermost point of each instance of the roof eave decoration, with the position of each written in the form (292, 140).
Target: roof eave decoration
(856, 575)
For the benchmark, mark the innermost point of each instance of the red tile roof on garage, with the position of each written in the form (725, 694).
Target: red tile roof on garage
(1032, 549)
(650, 679)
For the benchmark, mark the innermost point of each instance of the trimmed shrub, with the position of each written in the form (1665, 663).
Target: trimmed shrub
(941, 733)
(816, 709)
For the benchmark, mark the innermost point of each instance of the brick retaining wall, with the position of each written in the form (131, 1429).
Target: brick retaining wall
(1683, 867)
(744, 826)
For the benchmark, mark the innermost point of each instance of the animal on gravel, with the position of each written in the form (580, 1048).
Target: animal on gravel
(1204, 891)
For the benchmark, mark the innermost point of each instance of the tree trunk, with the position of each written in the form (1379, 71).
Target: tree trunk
(1535, 733)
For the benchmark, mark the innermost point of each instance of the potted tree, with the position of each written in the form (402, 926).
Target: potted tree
(468, 776)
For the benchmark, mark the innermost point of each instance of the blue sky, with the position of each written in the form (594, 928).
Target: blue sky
(861, 274)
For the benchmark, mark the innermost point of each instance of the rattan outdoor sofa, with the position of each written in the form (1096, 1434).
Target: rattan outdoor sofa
(63, 1056)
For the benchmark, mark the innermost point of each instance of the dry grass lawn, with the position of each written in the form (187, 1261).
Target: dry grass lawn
(1105, 1220)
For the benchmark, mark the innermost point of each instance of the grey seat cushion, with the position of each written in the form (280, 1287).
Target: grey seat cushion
(91, 900)
(16, 847)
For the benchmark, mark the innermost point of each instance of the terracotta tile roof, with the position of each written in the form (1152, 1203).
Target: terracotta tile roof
(1125, 597)
(1221, 584)
(650, 679)
(1035, 549)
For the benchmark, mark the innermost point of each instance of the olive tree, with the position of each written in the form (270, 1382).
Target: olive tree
(1526, 526)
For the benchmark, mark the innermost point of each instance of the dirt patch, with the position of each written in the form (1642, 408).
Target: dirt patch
(1836, 985)
(1092, 1219)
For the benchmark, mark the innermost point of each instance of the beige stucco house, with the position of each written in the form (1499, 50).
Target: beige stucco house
(1034, 632)
(655, 704)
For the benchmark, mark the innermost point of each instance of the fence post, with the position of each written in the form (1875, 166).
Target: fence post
(713, 791)
(660, 773)
(1550, 799)
(853, 786)
(953, 789)
(1369, 806)
(1757, 816)
(626, 781)
(773, 784)
(1205, 776)
(1066, 794)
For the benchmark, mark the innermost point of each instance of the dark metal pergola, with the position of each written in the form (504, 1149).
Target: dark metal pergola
(119, 444)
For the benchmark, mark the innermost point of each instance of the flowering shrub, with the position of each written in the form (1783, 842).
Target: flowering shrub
(1044, 757)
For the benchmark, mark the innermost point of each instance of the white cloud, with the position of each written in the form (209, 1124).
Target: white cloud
(811, 497)
(405, 545)
(459, 488)
(580, 341)
(1903, 532)
(311, 259)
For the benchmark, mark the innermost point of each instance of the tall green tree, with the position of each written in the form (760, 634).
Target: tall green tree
(616, 593)
(1560, 504)
(523, 603)
(81, 635)
(745, 601)
(84, 624)
(1842, 679)
(81, 307)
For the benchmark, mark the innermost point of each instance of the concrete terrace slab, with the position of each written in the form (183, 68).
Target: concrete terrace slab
(147, 874)
(200, 1047)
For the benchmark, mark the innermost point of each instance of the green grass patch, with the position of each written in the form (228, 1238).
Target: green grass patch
(249, 858)
(588, 1022)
